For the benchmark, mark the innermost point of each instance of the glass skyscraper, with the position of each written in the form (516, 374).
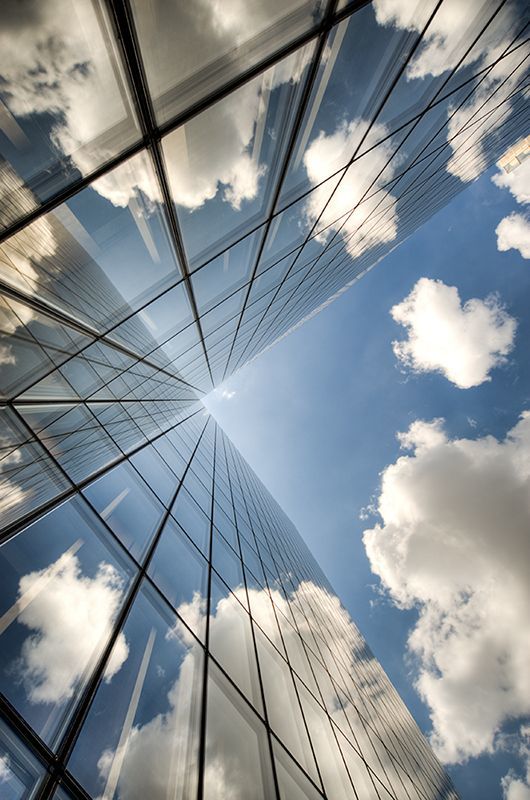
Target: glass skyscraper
(180, 185)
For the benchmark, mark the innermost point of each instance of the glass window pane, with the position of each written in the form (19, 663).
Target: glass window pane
(30, 345)
(156, 323)
(192, 519)
(225, 274)
(222, 164)
(61, 794)
(128, 507)
(340, 109)
(100, 254)
(171, 457)
(28, 476)
(20, 772)
(227, 563)
(224, 525)
(293, 783)
(180, 572)
(73, 435)
(237, 753)
(65, 100)
(190, 50)
(64, 580)
(283, 707)
(140, 735)
(232, 645)
(200, 493)
(334, 774)
(154, 471)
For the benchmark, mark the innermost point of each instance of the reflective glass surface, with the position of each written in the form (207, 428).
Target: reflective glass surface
(20, 772)
(222, 164)
(128, 507)
(180, 185)
(65, 106)
(150, 747)
(237, 755)
(64, 581)
(289, 699)
(189, 52)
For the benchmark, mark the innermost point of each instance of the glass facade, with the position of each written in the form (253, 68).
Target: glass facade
(166, 633)
(180, 185)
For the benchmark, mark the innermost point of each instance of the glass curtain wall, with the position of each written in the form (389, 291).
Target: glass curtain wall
(166, 633)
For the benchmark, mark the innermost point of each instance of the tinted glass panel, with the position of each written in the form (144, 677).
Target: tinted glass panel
(189, 51)
(237, 751)
(140, 736)
(180, 571)
(20, 772)
(128, 507)
(67, 107)
(63, 584)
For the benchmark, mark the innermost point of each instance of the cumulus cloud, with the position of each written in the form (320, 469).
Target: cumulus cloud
(463, 342)
(70, 617)
(517, 181)
(154, 757)
(219, 151)
(471, 125)
(513, 233)
(453, 543)
(514, 786)
(375, 220)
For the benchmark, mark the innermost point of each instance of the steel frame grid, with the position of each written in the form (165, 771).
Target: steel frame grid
(57, 773)
(324, 28)
(249, 493)
(151, 142)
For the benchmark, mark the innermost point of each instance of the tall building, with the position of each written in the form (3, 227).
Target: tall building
(180, 185)
(165, 632)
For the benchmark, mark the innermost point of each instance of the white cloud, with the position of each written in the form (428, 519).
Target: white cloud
(70, 619)
(515, 787)
(453, 543)
(52, 62)
(375, 220)
(463, 342)
(5, 772)
(517, 181)
(513, 233)
(481, 116)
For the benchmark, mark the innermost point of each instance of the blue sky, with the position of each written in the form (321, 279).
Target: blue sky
(317, 416)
